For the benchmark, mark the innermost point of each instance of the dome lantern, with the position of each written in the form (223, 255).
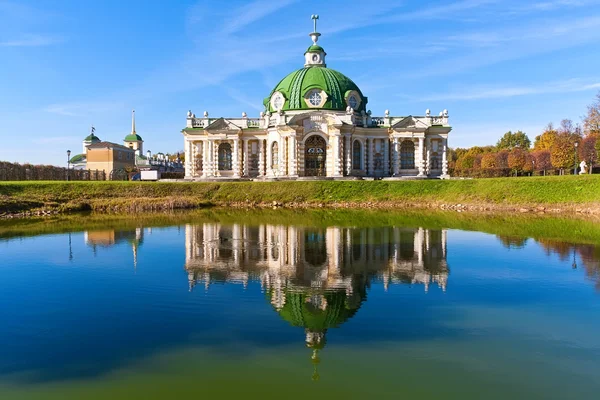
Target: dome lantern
(315, 54)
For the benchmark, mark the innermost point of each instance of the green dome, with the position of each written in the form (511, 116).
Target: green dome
(77, 158)
(298, 83)
(297, 311)
(91, 138)
(133, 138)
(315, 48)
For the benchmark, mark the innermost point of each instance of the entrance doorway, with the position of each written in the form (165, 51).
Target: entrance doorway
(315, 153)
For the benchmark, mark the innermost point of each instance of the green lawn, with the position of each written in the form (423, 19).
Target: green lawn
(65, 196)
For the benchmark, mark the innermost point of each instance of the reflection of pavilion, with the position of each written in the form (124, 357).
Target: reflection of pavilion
(287, 257)
(111, 237)
(316, 278)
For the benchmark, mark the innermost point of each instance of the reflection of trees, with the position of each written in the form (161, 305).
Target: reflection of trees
(512, 242)
(588, 254)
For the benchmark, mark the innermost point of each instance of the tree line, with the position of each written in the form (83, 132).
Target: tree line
(557, 150)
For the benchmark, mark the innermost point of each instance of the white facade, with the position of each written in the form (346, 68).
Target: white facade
(318, 143)
(316, 124)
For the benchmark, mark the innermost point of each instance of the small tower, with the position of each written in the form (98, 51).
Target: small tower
(315, 54)
(90, 139)
(133, 140)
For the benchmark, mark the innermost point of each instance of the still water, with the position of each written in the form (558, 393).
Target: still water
(215, 308)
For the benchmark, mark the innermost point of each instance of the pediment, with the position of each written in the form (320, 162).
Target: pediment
(222, 124)
(410, 123)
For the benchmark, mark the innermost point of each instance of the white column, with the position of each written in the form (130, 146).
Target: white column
(215, 160)
(261, 157)
(193, 159)
(428, 156)
(269, 158)
(348, 148)
(236, 157)
(188, 160)
(365, 151)
(245, 158)
(396, 157)
(282, 156)
(292, 161)
(444, 158)
(419, 157)
(371, 148)
(386, 157)
(205, 159)
(336, 144)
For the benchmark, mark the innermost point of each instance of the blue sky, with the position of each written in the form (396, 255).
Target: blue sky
(496, 65)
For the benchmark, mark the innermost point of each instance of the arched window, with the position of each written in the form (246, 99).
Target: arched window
(407, 155)
(357, 157)
(225, 157)
(315, 153)
(275, 155)
(378, 155)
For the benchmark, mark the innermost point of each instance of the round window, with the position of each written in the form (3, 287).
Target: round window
(315, 57)
(277, 101)
(315, 99)
(353, 102)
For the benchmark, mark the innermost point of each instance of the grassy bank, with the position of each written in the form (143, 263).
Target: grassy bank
(557, 193)
(548, 228)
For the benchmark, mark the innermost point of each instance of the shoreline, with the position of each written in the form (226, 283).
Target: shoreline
(546, 195)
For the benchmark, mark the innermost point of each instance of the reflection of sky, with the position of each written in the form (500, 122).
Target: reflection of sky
(96, 313)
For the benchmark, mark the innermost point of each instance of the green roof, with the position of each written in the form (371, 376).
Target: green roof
(133, 138)
(298, 83)
(297, 311)
(92, 138)
(315, 48)
(77, 158)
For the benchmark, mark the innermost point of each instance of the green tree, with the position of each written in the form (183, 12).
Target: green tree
(513, 140)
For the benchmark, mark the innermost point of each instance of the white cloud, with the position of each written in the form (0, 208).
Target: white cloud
(79, 109)
(31, 41)
(496, 92)
(253, 12)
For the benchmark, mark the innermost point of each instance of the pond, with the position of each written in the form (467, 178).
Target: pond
(299, 305)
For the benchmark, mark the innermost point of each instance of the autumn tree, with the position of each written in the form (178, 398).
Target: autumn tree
(542, 161)
(562, 152)
(466, 159)
(488, 161)
(517, 160)
(546, 139)
(477, 161)
(502, 159)
(513, 140)
(587, 150)
(591, 121)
